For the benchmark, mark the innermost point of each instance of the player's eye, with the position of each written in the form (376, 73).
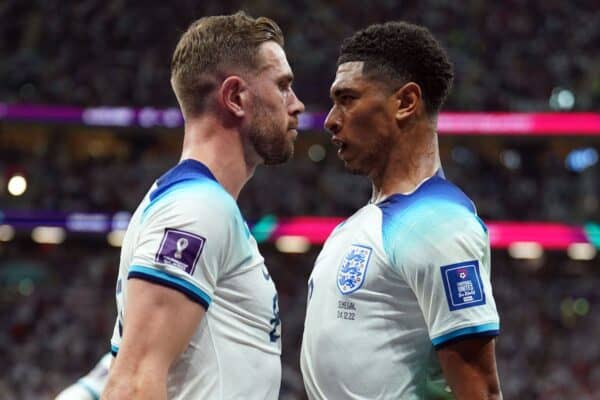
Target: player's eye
(285, 85)
(346, 99)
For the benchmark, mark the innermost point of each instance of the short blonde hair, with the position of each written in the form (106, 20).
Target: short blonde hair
(213, 47)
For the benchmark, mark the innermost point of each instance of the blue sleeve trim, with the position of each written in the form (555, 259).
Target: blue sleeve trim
(114, 350)
(173, 282)
(492, 329)
(95, 395)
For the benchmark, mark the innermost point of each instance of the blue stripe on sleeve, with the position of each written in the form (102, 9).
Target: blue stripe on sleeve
(491, 329)
(165, 279)
(95, 395)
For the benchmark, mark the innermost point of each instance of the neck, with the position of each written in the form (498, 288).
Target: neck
(221, 149)
(413, 157)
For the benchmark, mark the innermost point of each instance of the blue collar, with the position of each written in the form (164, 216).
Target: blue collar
(185, 170)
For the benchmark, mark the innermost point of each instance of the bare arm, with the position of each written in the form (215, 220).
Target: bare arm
(159, 323)
(469, 367)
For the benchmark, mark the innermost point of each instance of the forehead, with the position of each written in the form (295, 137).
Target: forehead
(349, 74)
(272, 58)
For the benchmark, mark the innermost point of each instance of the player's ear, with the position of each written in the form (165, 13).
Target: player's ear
(408, 98)
(233, 95)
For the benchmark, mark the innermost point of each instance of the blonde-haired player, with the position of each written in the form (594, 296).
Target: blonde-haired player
(197, 311)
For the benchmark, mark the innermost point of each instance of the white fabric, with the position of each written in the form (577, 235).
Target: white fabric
(235, 353)
(377, 302)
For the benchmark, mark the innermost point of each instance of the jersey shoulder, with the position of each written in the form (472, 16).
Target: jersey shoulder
(190, 187)
(435, 211)
(433, 194)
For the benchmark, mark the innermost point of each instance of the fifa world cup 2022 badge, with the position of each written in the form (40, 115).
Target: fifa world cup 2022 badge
(180, 249)
(182, 244)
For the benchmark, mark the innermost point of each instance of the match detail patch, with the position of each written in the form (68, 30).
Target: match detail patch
(180, 249)
(463, 285)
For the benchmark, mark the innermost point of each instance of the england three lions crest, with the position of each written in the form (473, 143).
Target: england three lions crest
(353, 269)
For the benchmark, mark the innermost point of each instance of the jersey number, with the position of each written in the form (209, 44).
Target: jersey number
(275, 321)
(119, 296)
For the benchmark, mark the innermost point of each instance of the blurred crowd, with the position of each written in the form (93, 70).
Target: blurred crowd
(508, 55)
(57, 313)
(508, 179)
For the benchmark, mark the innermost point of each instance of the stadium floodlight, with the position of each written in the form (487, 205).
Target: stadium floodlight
(292, 244)
(580, 159)
(26, 287)
(115, 238)
(316, 152)
(17, 185)
(566, 99)
(581, 251)
(48, 235)
(525, 250)
(581, 306)
(511, 159)
(561, 99)
(7, 233)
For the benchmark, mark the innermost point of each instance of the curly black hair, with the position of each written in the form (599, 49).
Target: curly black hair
(400, 52)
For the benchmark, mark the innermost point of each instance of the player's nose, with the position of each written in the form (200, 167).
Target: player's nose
(333, 122)
(297, 106)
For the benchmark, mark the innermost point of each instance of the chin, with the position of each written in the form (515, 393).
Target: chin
(279, 157)
(355, 170)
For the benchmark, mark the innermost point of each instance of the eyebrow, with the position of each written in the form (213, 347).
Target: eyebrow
(339, 91)
(287, 77)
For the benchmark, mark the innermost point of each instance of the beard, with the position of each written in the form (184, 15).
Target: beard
(268, 138)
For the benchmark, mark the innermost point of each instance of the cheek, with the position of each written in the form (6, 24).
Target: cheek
(367, 125)
(277, 105)
(362, 123)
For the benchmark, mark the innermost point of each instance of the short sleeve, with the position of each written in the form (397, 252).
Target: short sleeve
(182, 241)
(445, 259)
(96, 379)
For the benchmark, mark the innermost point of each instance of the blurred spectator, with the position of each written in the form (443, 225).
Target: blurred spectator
(57, 314)
(89, 171)
(56, 308)
(507, 56)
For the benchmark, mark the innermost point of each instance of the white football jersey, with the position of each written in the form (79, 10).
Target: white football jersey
(392, 283)
(89, 387)
(188, 234)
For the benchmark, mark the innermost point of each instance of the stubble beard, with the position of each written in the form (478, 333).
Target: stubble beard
(269, 140)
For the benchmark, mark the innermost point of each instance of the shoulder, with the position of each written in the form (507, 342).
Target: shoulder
(437, 212)
(198, 197)
(436, 200)
(435, 192)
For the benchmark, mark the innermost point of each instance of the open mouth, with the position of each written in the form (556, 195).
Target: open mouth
(341, 146)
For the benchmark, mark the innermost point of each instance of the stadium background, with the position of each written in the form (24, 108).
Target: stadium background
(85, 171)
